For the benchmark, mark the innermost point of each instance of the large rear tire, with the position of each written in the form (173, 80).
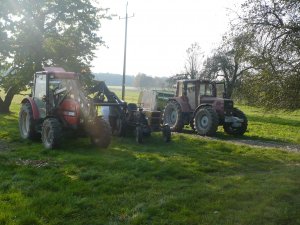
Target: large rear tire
(100, 133)
(206, 121)
(117, 125)
(173, 117)
(229, 129)
(27, 123)
(51, 133)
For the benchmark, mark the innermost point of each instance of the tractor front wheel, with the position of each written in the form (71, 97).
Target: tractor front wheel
(51, 133)
(100, 133)
(173, 116)
(240, 130)
(206, 121)
(26, 122)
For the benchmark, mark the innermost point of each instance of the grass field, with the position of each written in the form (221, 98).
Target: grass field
(188, 181)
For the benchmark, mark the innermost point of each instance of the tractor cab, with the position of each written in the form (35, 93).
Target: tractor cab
(51, 87)
(57, 106)
(203, 105)
(198, 92)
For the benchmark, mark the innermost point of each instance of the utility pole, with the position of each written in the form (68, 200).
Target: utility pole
(125, 49)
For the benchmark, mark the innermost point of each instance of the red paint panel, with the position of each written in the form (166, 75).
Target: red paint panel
(70, 105)
(35, 111)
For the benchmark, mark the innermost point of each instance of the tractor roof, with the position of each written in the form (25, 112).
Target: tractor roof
(58, 72)
(195, 80)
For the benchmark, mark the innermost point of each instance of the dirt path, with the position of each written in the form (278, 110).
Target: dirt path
(265, 144)
(259, 143)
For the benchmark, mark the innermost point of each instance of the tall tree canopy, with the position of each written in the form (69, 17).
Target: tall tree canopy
(38, 33)
(230, 61)
(276, 55)
(192, 66)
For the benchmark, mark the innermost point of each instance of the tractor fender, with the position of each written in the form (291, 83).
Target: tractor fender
(200, 107)
(183, 102)
(35, 111)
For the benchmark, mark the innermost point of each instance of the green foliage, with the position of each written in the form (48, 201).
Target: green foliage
(45, 33)
(276, 53)
(188, 181)
(230, 62)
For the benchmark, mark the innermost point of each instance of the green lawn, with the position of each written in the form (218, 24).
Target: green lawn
(187, 181)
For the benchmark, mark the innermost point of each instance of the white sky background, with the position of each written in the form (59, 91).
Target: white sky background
(159, 34)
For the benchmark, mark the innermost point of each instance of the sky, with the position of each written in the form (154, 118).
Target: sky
(159, 34)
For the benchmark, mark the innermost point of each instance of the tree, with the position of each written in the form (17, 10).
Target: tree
(230, 61)
(144, 81)
(193, 61)
(42, 33)
(192, 67)
(276, 55)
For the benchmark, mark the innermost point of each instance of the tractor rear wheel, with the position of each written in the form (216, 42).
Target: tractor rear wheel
(100, 133)
(229, 129)
(206, 121)
(26, 122)
(51, 133)
(173, 116)
(118, 126)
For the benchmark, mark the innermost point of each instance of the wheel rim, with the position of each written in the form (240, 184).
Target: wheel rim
(25, 123)
(203, 122)
(172, 117)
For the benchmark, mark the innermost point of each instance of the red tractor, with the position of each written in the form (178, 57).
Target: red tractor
(57, 107)
(202, 105)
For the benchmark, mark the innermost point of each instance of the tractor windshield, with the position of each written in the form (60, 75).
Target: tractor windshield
(220, 89)
(206, 89)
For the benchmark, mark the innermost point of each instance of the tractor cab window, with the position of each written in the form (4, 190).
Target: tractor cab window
(40, 86)
(191, 88)
(180, 89)
(206, 89)
(220, 90)
(40, 93)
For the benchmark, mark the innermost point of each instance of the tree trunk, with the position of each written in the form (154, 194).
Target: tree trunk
(229, 90)
(4, 105)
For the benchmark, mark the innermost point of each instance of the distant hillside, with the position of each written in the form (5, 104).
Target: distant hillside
(114, 79)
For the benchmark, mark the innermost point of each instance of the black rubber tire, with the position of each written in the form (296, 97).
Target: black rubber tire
(206, 121)
(51, 133)
(237, 130)
(173, 116)
(118, 126)
(100, 133)
(139, 134)
(27, 123)
(166, 132)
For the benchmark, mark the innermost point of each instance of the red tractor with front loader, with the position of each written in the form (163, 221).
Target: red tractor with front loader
(58, 107)
(203, 105)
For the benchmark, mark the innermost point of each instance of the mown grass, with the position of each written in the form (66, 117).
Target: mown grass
(187, 181)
